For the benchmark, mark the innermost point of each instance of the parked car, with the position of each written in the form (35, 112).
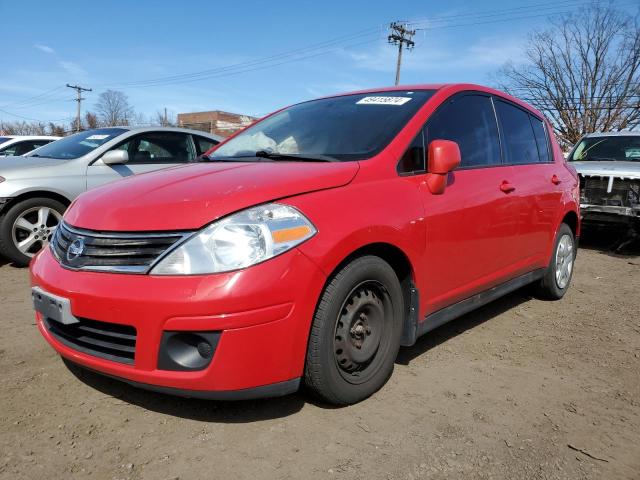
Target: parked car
(313, 245)
(15, 145)
(609, 169)
(35, 190)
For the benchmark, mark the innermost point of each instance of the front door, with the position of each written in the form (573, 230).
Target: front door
(472, 239)
(147, 152)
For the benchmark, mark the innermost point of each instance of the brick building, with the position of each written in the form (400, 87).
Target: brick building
(216, 122)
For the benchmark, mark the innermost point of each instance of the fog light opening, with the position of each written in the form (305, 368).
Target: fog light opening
(187, 350)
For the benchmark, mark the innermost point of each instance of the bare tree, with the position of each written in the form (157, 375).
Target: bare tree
(583, 72)
(91, 120)
(113, 109)
(23, 128)
(164, 119)
(56, 130)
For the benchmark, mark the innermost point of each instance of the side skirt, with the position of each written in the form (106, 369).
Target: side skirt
(456, 310)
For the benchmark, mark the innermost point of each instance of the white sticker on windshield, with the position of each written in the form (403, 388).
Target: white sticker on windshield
(383, 100)
(97, 137)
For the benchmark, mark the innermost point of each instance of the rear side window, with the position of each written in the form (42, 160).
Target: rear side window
(517, 134)
(539, 131)
(470, 121)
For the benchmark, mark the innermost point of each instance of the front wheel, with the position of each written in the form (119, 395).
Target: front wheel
(557, 278)
(27, 227)
(356, 331)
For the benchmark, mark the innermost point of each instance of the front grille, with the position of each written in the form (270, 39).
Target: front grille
(110, 251)
(623, 193)
(106, 340)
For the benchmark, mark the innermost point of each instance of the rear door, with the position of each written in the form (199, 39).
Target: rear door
(147, 152)
(472, 228)
(526, 149)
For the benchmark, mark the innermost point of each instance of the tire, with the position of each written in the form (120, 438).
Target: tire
(31, 211)
(553, 286)
(356, 331)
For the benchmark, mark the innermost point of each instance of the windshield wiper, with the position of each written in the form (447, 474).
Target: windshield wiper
(295, 157)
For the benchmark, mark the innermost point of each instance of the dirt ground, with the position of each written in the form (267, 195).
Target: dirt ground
(519, 389)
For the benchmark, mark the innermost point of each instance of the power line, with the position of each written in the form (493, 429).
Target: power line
(25, 100)
(79, 99)
(336, 44)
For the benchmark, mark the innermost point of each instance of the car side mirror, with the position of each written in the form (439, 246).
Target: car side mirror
(443, 157)
(115, 157)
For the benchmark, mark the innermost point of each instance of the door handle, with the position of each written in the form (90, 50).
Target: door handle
(506, 187)
(556, 180)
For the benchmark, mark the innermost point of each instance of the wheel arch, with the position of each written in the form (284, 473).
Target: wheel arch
(571, 219)
(403, 267)
(36, 194)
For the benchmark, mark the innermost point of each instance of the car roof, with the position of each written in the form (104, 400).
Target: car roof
(167, 129)
(31, 137)
(612, 134)
(453, 87)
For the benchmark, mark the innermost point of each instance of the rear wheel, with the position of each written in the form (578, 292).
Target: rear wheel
(557, 278)
(356, 331)
(27, 227)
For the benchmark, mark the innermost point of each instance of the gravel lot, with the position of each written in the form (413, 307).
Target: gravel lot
(519, 389)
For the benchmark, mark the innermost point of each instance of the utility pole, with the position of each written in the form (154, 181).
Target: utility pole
(165, 124)
(400, 36)
(79, 99)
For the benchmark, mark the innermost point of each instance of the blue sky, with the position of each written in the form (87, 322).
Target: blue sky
(117, 43)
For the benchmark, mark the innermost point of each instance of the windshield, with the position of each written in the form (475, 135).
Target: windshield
(77, 145)
(349, 127)
(4, 139)
(618, 148)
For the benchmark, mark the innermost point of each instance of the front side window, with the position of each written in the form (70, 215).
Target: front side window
(349, 127)
(469, 121)
(518, 139)
(615, 148)
(75, 146)
(159, 147)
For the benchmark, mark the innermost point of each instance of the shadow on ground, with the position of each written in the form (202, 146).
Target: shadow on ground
(460, 325)
(613, 242)
(194, 409)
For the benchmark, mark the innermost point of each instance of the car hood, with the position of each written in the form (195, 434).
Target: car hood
(189, 197)
(608, 169)
(10, 166)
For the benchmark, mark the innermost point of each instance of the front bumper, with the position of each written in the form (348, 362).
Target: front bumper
(263, 314)
(608, 213)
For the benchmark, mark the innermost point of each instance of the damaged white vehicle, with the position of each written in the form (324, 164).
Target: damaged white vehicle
(609, 168)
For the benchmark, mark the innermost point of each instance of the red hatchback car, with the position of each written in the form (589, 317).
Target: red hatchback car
(312, 245)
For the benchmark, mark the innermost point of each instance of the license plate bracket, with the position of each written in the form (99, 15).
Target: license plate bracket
(53, 306)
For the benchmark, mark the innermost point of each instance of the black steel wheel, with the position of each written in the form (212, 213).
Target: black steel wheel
(356, 331)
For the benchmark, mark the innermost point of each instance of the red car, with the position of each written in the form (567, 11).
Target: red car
(312, 245)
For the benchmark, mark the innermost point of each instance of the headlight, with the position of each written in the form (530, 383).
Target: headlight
(240, 240)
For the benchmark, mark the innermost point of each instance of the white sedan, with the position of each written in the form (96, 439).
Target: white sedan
(15, 145)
